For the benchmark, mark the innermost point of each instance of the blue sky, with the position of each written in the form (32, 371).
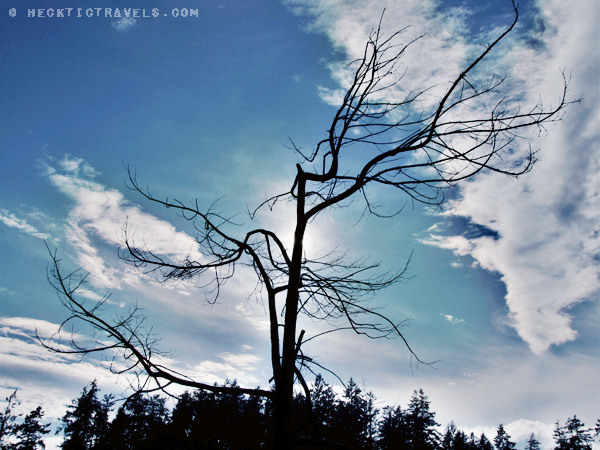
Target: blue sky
(504, 288)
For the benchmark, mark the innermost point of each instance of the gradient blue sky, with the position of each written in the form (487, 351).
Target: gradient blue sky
(505, 279)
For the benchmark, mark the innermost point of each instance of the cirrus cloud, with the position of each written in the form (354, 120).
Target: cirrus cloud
(10, 220)
(102, 213)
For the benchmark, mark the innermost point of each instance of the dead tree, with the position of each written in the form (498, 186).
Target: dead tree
(416, 150)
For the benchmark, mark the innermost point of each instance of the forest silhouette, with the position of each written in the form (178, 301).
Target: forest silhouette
(217, 421)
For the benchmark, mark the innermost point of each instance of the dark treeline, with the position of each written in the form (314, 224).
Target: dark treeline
(213, 421)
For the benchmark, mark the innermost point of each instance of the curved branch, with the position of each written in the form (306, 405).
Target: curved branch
(126, 337)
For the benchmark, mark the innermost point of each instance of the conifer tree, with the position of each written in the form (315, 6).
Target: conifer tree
(461, 442)
(502, 440)
(414, 428)
(29, 433)
(532, 443)
(354, 415)
(211, 421)
(232, 430)
(371, 414)
(140, 422)
(323, 400)
(484, 443)
(86, 422)
(7, 420)
(420, 422)
(573, 436)
(448, 438)
(194, 421)
(391, 428)
(472, 443)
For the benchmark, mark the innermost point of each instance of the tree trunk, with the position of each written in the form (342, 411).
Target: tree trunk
(285, 387)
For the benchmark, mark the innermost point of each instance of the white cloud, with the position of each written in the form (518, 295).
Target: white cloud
(124, 23)
(100, 212)
(460, 245)
(13, 221)
(44, 329)
(548, 221)
(236, 367)
(436, 57)
(20, 351)
(18, 338)
(452, 319)
(548, 247)
(253, 316)
(242, 360)
(77, 166)
(521, 430)
(27, 353)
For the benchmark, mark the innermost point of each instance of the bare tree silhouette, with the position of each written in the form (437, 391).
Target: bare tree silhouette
(417, 150)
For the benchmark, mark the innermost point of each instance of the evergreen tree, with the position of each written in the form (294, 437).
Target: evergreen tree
(352, 418)
(253, 432)
(573, 436)
(559, 436)
(420, 423)
(85, 423)
(371, 417)
(193, 421)
(7, 420)
(213, 421)
(182, 421)
(447, 442)
(502, 440)
(484, 443)
(532, 443)
(391, 428)
(140, 422)
(412, 429)
(232, 428)
(29, 433)
(324, 407)
(461, 442)
(472, 442)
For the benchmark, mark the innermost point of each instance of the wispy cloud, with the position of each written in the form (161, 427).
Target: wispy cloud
(545, 241)
(234, 367)
(18, 340)
(27, 326)
(257, 320)
(436, 55)
(241, 360)
(43, 377)
(452, 319)
(102, 213)
(13, 221)
(124, 23)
